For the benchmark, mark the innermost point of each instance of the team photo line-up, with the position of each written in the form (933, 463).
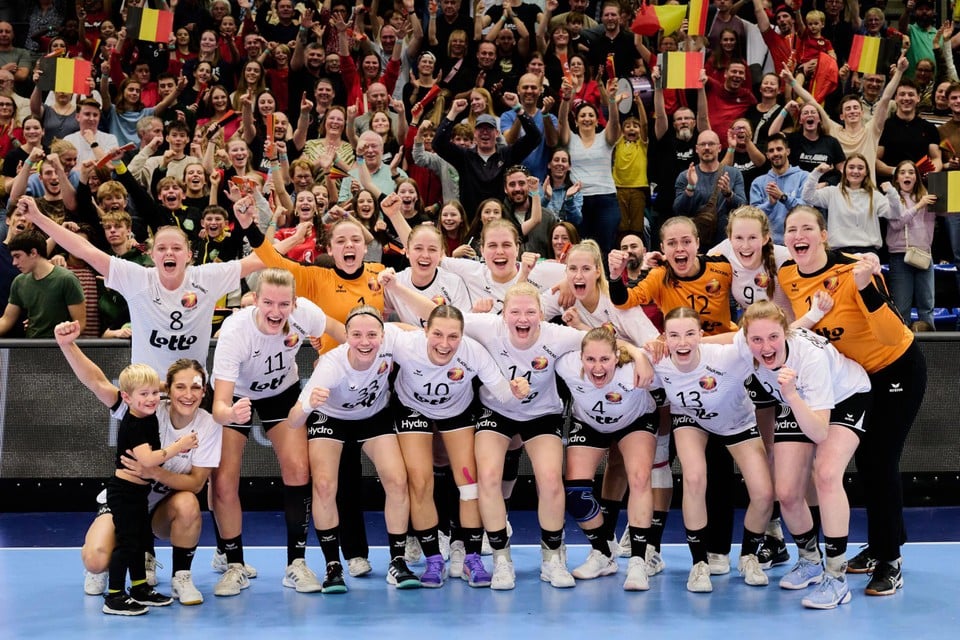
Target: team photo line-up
(499, 227)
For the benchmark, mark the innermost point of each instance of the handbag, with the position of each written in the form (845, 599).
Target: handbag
(915, 256)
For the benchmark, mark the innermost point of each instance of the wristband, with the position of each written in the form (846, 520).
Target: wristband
(94, 144)
(412, 12)
(691, 187)
(535, 194)
(273, 224)
(120, 168)
(815, 315)
(731, 149)
(517, 108)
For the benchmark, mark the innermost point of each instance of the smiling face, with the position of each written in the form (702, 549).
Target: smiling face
(747, 240)
(500, 254)
(186, 392)
(274, 305)
(364, 336)
(424, 250)
(143, 400)
(680, 245)
(194, 177)
(855, 170)
(443, 339)
(559, 164)
(587, 118)
(516, 188)
(805, 237)
(906, 177)
(559, 240)
(767, 342)
(305, 205)
(347, 247)
(683, 342)
(450, 218)
(582, 274)
(599, 362)
(170, 254)
(214, 224)
(491, 210)
(522, 315)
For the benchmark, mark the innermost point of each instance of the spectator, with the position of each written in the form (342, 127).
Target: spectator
(779, 190)
(906, 135)
(523, 203)
(730, 99)
(917, 22)
(370, 149)
(90, 142)
(530, 88)
(14, 59)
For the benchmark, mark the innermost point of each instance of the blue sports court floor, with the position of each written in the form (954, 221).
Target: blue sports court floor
(41, 594)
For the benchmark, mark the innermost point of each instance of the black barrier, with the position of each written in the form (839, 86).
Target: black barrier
(57, 440)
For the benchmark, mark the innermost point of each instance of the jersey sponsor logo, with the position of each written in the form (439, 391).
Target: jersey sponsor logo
(613, 397)
(831, 283)
(291, 340)
(713, 286)
(708, 383)
(340, 288)
(895, 387)
(175, 342)
(575, 436)
(317, 430)
(539, 363)
(783, 410)
(455, 374)
(415, 422)
(762, 279)
(383, 367)
(189, 300)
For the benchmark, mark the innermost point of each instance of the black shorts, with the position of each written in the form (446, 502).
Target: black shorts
(490, 420)
(323, 427)
(409, 420)
(272, 411)
(759, 396)
(583, 435)
(850, 413)
(728, 440)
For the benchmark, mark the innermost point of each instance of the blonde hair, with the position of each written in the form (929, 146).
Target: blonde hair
(521, 290)
(363, 310)
(136, 376)
(816, 15)
(764, 310)
(278, 278)
(605, 335)
(591, 248)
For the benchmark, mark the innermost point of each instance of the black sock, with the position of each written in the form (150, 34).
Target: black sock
(611, 513)
(551, 539)
(639, 539)
(233, 548)
(216, 533)
(807, 544)
(183, 558)
(657, 525)
(398, 545)
(296, 512)
(751, 542)
(511, 471)
(472, 539)
(598, 539)
(429, 542)
(815, 514)
(498, 539)
(697, 541)
(447, 500)
(329, 543)
(776, 510)
(835, 546)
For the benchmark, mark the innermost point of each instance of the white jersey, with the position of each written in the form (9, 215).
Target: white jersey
(632, 325)
(750, 285)
(354, 395)
(262, 365)
(440, 392)
(445, 288)
(480, 284)
(206, 455)
(713, 394)
(536, 364)
(824, 375)
(609, 408)
(169, 325)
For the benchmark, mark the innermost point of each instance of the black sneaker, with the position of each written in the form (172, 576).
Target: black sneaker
(863, 562)
(886, 579)
(772, 552)
(147, 595)
(400, 576)
(120, 604)
(334, 583)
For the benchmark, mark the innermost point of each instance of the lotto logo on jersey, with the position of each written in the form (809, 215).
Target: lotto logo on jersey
(383, 367)
(613, 397)
(831, 283)
(762, 279)
(291, 340)
(713, 286)
(455, 374)
(708, 383)
(439, 300)
(189, 300)
(539, 363)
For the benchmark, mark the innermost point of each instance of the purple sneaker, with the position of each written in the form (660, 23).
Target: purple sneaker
(474, 572)
(432, 577)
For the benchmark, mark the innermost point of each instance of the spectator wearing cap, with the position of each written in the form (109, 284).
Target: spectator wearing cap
(782, 40)
(482, 169)
(918, 22)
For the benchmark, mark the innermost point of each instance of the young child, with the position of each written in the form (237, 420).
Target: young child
(138, 436)
(630, 172)
(813, 42)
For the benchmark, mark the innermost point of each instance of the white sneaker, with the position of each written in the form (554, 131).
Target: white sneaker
(625, 543)
(413, 552)
(232, 582)
(219, 564)
(358, 566)
(444, 545)
(614, 547)
(94, 584)
(753, 575)
(719, 563)
(150, 564)
(553, 570)
(596, 565)
(637, 579)
(504, 577)
(654, 561)
(300, 577)
(485, 548)
(457, 555)
(182, 588)
(699, 579)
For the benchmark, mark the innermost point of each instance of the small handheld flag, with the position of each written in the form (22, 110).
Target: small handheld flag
(149, 24)
(867, 53)
(946, 186)
(697, 21)
(651, 19)
(680, 69)
(65, 75)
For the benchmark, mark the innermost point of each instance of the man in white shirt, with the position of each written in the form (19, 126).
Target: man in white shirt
(91, 143)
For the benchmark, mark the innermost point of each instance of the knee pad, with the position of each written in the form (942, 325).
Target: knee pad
(581, 505)
(662, 454)
(469, 491)
(511, 464)
(661, 477)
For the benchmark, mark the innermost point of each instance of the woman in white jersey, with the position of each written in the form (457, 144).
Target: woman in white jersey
(608, 410)
(347, 398)
(823, 397)
(434, 390)
(172, 303)
(255, 368)
(174, 509)
(705, 386)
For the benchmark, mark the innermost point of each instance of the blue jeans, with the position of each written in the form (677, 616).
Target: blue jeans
(601, 219)
(908, 285)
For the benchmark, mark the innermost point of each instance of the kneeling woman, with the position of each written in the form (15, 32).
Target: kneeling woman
(824, 398)
(608, 410)
(346, 399)
(704, 384)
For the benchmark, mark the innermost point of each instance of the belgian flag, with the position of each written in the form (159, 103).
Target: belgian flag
(867, 53)
(66, 75)
(697, 21)
(946, 186)
(652, 19)
(149, 24)
(680, 69)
